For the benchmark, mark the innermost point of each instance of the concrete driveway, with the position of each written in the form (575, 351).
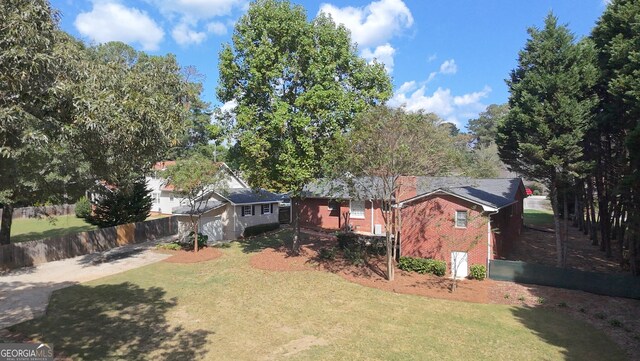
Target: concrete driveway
(24, 293)
(539, 203)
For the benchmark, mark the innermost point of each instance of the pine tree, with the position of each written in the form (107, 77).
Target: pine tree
(549, 111)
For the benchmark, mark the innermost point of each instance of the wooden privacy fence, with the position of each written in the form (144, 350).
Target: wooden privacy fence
(616, 285)
(31, 253)
(31, 212)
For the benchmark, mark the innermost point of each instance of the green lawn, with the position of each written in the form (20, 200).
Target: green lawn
(33, 228)
(226, 310)
(30, 229)
(537, 217)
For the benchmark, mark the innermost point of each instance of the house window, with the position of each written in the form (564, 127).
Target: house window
(247, 210)
(461, 219)
(333, 205)
(266, 209)
(156, 197)
(357, 209)
(171, 198)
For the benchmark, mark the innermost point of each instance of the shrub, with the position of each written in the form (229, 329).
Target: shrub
(423, 265)
(600, 315)
(327, 254)
(260, 229)
(121, 205)
(169, 246)
(187, 242)
(477, 272)
(354, 256)
(348, 240)
(615, 323)
(83, 207)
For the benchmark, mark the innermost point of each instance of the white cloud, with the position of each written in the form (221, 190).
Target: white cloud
(432, 58)
(374, 24)
(184, 35)
(452, 108)
(432, 76)
(193, 10)
(217, 28)
(449, 67)
(383, 54)
(110, 21)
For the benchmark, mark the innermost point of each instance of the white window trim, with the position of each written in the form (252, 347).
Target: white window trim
(268, 211)
(244, 209)
(455, 219)
(364, 210)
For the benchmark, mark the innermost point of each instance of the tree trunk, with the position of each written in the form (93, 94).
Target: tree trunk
(390, 273)
(593, 231)
(553, 190)
(565, 228)
(5, 226)
(194, 225)
(295, 245)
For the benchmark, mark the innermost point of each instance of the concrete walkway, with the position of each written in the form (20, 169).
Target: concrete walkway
(24, 293)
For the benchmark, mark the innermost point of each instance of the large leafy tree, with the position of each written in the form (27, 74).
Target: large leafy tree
(549, 112)
(384, 146)
(617, 128)
(298, 84)
(29, 119)
(485, 126)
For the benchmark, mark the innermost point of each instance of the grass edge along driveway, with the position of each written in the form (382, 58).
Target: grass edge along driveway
(226, 310)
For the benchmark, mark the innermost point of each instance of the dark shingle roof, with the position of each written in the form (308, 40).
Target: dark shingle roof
(205, 207)
(246, 195)
(494, 192)
(365, 187)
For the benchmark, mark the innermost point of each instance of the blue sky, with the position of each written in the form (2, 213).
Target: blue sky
(449, 57)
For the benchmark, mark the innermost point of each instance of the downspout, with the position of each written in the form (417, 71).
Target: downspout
(372, 215)
(489, 237)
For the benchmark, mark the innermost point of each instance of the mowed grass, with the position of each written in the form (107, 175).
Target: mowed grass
(226, 310)
(30, 229)
(537, 217)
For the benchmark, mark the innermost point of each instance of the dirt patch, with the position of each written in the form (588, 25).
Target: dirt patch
(297, 346)
(537, 244)
(205, 254)
(370, 274)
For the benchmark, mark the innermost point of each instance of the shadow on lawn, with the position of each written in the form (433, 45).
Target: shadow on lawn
(51, 233)
(275, 240)
(122, 321)
(575, 341)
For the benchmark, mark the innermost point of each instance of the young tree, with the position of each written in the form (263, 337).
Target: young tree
(298, 85)
(541, 137)
(384, 146)
(194, 180)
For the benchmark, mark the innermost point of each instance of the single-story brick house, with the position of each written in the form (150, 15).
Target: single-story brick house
(469, 221)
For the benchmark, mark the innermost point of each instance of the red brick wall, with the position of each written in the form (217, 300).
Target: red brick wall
(316, 214)
(507, 226)
(428, 230)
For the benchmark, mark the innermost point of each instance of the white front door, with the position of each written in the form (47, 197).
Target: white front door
(459, 266)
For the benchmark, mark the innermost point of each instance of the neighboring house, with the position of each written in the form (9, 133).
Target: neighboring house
(162, 194)
(226, 214)
(469, 221)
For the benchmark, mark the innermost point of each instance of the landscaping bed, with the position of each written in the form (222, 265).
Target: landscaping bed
(181, 256)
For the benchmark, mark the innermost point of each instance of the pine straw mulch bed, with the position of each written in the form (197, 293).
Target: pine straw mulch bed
(619, 318)
(204, 254)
